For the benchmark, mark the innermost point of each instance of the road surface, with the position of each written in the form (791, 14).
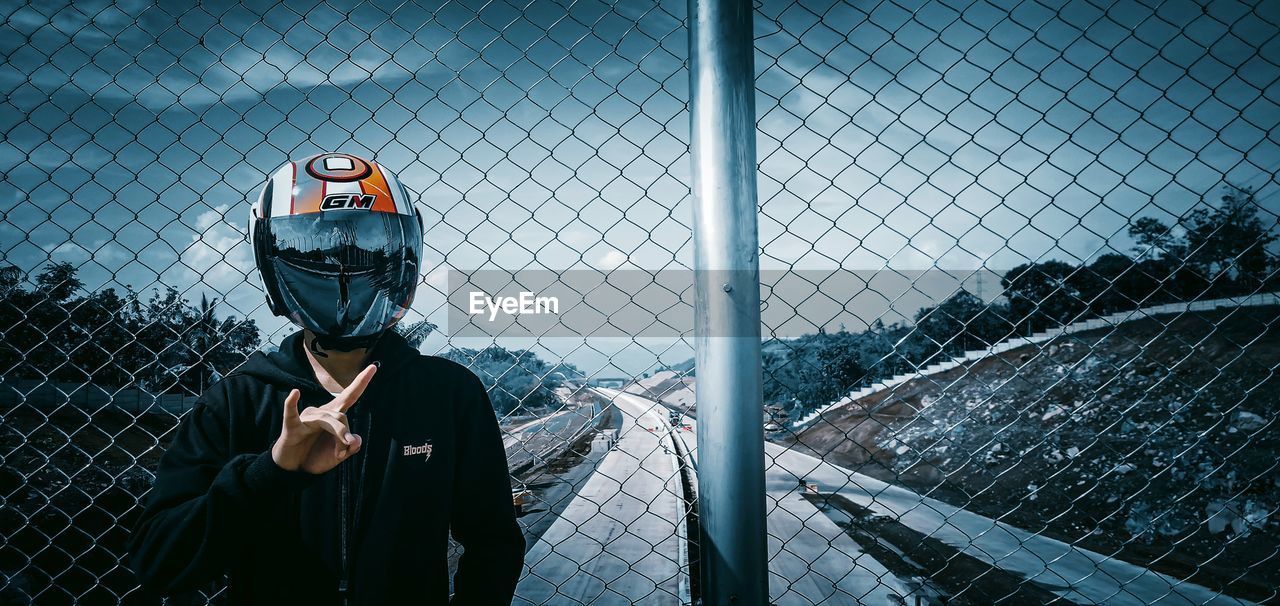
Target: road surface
(1076, 574)
(804, 570)
(811, 560)
(620, 541)
(542, 439)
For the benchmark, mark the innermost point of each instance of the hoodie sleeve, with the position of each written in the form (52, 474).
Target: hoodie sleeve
(198, 514)
(485, 524)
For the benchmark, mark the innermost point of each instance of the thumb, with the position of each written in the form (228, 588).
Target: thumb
(342, 452)
(291, 408)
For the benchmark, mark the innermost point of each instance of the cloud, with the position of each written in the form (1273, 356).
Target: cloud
(438, 278)
(68, 251)
(195, 77)
(611, 260)
(218, 254)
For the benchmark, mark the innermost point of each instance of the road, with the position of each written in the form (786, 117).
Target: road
(541, 439)
(1076, 574)
(511, 435)
(620, 541)
(812, 561)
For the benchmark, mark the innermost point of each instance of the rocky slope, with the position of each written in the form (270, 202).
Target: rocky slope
(1156, 441)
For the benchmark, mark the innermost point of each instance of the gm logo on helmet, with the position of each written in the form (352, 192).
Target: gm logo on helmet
(344, 201)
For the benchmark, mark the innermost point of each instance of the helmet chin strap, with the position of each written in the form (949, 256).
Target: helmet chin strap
(314, 347)
(319, 343)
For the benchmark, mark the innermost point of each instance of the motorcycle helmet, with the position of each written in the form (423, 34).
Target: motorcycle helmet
(338, 244)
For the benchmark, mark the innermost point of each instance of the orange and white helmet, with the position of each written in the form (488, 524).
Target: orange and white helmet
(338, 244)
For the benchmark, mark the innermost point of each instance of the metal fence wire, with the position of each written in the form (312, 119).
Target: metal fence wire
(1054, 382)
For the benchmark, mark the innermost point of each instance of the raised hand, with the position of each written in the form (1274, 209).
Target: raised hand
(319, 438)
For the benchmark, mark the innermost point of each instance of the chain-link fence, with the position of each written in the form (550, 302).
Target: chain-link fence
(1063, 428)
(1019, 268)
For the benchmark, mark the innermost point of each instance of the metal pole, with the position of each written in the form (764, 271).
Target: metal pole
(727, 303)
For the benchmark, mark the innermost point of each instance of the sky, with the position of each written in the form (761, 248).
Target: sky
(895, 136)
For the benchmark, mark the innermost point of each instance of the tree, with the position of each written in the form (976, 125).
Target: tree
(515, 379)
(106, 334)
(12, 321)
(10, 276)
(55, 331)
(47, 333)
(1155, 239)
(1043, 294)
(182, 348)
(962, 322)
(1116, 282)
(416, 332)
(58, 282)
(1222, 250)
(812, 370)
(1230, 241)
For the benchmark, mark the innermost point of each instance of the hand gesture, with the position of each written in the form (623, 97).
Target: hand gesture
(320, 438)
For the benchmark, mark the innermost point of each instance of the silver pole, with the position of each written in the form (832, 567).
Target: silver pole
(727, 303)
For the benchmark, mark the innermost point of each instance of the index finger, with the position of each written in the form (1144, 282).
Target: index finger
(352, 393)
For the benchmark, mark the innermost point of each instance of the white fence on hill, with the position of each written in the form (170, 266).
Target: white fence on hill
(1111, 320)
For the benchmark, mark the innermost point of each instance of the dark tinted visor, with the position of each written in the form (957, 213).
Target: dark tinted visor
(343, 272)
(351, 242)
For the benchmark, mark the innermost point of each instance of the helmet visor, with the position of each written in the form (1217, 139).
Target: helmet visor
(344, 272)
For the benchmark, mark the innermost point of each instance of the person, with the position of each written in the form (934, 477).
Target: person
(332, 470)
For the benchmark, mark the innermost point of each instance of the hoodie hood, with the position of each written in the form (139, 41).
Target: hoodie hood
(288, 365)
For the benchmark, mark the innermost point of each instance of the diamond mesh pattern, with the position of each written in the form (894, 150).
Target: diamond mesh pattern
(1056, 384)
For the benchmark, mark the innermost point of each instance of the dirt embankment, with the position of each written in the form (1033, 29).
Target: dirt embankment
(671, 388)
(1155, 442)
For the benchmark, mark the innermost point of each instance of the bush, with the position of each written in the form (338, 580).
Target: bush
(53, 331)
(517, 380)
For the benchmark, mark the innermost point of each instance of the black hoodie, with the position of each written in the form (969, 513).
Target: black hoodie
(432, 460)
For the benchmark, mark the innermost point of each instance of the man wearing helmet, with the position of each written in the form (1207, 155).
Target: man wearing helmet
(332, 470)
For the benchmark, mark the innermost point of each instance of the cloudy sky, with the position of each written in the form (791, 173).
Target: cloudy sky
(554, 135)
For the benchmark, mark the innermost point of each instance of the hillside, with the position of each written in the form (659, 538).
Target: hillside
(671, 387)
(1155, 441)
